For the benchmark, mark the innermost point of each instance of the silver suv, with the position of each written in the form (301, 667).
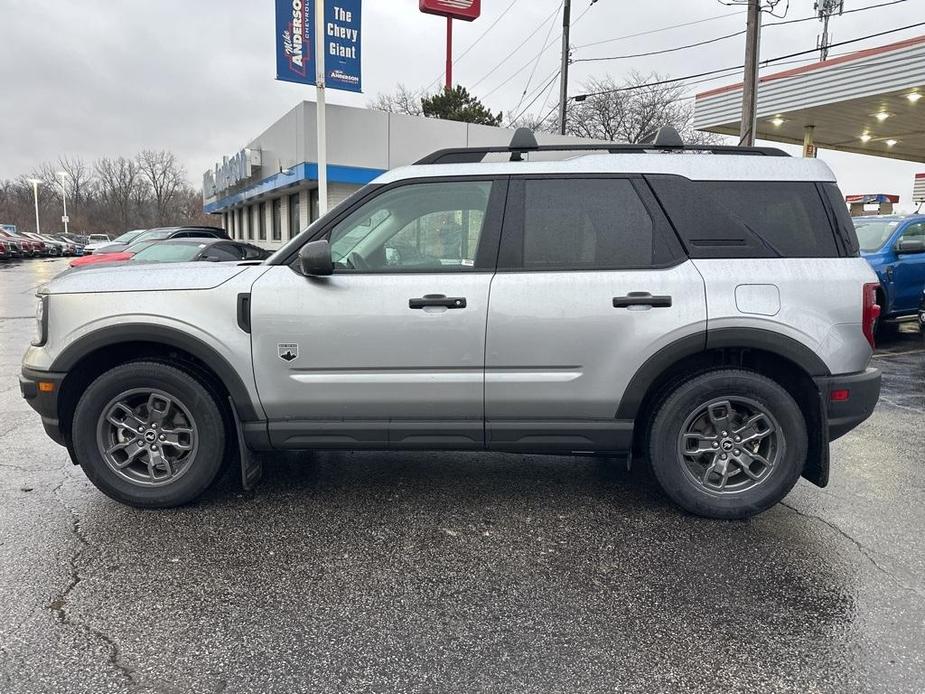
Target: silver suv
(706, 310)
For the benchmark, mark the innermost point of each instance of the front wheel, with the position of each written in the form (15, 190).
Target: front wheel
(149, 435)
(728, 444)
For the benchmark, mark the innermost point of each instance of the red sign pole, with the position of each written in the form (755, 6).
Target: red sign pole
(449, 53)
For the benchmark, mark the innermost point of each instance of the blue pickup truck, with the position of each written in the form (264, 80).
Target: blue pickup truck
(895, 248)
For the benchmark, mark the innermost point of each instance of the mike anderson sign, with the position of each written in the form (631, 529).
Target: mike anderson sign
(295, 42)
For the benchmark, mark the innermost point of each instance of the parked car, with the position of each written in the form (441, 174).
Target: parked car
(922, 314)
(177, 251)
(125, 239)
(29, 248)
(75, 245)
(99, 238)
(708, 312)
(14, 244)
(164, 233)
(5, 250)
(895, 248)
(52, 247)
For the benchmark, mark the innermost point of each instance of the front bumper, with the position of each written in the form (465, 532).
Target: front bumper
(44, 398)
(863, 392)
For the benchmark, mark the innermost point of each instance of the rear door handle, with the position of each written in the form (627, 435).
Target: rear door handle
(438, 300)
(641, 299)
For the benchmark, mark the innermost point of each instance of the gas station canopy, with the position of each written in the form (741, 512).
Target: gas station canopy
(869, 102)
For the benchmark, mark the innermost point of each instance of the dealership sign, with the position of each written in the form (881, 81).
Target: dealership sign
(231, 171)
(466, 10)
(918, 192)
(295, 43)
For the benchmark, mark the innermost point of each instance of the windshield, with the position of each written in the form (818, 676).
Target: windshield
(169, 252)
(128, 236)
(873, 234)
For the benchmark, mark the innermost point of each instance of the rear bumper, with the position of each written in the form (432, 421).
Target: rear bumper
(863, 392)
(45, 402)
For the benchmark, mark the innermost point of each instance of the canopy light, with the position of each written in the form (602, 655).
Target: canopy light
(865, 137)
(777, 121)
(892, 143)
(881, 116)
(914, 96)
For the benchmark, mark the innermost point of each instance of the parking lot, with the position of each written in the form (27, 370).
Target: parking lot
(355, 572)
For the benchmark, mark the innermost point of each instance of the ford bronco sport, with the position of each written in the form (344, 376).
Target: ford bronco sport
(702, 307)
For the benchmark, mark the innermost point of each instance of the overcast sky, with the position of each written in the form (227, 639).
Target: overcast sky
(107, 77)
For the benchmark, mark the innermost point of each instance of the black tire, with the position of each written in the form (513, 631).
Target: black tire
(673, 470)
(202, 464)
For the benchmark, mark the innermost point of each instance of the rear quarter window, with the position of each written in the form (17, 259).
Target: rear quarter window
(735, 219)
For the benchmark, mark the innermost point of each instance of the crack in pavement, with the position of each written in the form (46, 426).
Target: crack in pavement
(59, 603)
(861, 548)
(911, 408)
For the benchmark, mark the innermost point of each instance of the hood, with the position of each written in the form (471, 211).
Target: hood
(150, 277)
(106, 247)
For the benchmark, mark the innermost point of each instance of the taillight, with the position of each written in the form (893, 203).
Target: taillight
(871, 312)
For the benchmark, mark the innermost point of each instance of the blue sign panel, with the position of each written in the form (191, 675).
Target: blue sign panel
(342, 44)
(295, 42)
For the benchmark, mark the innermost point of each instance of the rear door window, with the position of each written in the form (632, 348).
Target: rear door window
(579, 224)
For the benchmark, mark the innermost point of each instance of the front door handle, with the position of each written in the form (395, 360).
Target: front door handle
(641, 299)
(438, 300)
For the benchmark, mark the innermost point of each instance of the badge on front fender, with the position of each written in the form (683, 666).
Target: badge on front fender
(288, 351)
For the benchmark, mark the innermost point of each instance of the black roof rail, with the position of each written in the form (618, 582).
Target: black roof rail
(663, 140)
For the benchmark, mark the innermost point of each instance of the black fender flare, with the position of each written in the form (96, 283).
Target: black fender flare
(170, 337)
(719, 338)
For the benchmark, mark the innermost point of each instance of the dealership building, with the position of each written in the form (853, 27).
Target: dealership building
(268, 191)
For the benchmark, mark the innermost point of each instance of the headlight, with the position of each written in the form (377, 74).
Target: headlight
(41, 320)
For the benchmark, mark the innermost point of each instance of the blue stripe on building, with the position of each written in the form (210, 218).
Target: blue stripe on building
(306, 171)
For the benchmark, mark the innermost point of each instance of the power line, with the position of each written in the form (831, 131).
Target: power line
(581, 97)
(482, 36)
(666, 50)
(657, 31)
(545, 86)
(538, 56)
(526, 65)
(721, 38)
(519, 46)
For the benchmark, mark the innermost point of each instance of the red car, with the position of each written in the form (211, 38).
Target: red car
(119, 257)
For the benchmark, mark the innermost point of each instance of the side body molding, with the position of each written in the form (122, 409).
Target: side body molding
(141, 332)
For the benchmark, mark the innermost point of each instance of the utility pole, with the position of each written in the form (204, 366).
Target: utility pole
(563, 71)
(750, 83)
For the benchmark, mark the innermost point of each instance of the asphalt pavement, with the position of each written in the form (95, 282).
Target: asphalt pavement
(446, 572)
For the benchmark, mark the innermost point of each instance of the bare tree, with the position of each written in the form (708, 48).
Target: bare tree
(164, 178)
(119, 181)
(628, 111)
(402, 100)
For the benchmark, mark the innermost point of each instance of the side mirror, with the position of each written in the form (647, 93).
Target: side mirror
(910, 246)
(315, 259)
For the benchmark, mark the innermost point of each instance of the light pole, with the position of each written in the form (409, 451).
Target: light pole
(35, 196)
(61, 176)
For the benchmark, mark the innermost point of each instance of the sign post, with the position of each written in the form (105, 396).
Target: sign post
(318, 42)
(320, 110)
(466, 10)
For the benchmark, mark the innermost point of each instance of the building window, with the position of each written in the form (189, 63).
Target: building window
(294, 227)
(262, 221)
(313, 212)
(277, 219)
(229, 224)
(241, 223)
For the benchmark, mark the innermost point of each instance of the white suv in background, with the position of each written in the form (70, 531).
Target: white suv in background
(703, 307)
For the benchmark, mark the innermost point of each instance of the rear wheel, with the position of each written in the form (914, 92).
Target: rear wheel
(149, 435)
(728, 444)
